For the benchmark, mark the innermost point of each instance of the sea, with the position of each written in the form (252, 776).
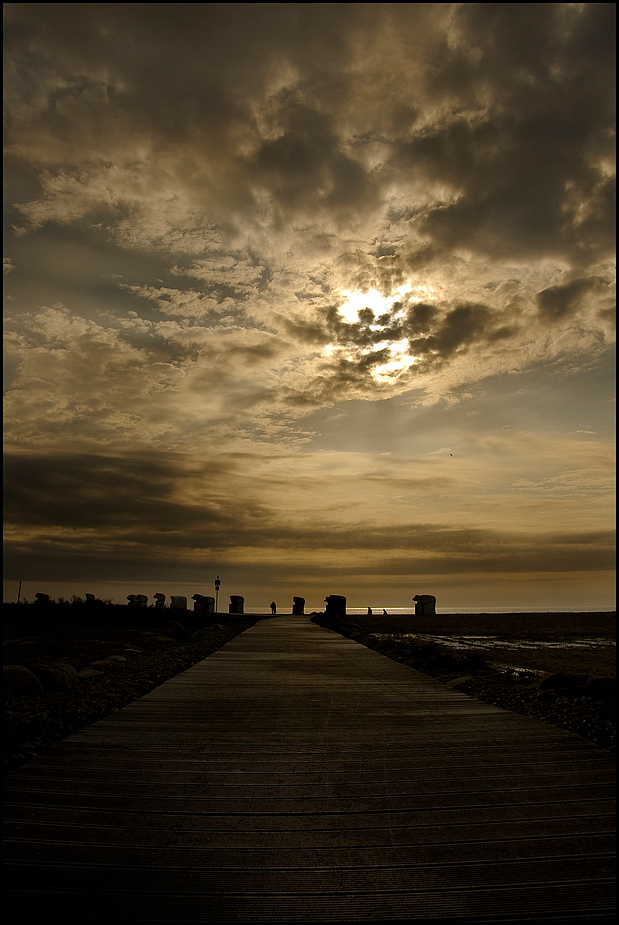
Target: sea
(397, 611)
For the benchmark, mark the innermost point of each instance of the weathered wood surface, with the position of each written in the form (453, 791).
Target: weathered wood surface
(295, 775)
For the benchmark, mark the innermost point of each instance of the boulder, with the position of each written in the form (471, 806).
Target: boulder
(601, 688)
(176, 630)
(459, 682)
(108, 662)
(386, 645)
(557, 681)
(200, 635)
(56, 674)
(18, 681)
(89, 673)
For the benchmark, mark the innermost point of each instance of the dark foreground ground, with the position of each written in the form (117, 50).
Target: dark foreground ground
(146, 651)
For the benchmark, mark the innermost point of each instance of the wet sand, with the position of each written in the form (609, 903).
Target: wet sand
(580, 643)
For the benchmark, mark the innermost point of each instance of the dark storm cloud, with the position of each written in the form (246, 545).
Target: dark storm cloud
(304, 165)
(457, 330)
(181, 73)
(558, 301)
(523, 160)
(311, 333)
(133, 494)
(116, 514)
(523, 98)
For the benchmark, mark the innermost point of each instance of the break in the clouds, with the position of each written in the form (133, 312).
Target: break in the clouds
(232, 226)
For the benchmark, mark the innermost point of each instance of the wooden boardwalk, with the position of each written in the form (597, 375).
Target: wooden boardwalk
(297, 776)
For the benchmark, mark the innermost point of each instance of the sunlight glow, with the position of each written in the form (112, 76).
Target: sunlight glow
(399, 362)
(355, 302)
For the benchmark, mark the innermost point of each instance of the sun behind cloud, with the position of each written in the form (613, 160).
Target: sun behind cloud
(382, 316)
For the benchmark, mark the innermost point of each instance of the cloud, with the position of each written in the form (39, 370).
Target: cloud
(156, 505)
(226, 219)
(558, 301)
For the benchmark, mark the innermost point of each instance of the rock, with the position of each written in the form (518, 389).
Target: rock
(601, 688)
(176, 630)
(199, 635)
(56, 674)
(89, 673)
(556, 681)
(108, 662)
(18, 681)
(459, 682)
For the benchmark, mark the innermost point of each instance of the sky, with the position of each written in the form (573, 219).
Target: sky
(316, 297)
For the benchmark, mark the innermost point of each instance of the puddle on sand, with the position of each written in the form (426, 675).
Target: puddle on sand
(488, 643)
(497, 642)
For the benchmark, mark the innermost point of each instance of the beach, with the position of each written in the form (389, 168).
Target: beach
(581, 643)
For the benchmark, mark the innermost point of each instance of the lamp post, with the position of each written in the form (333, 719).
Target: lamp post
(217, 583)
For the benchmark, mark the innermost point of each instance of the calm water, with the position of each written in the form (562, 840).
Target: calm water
(489, 642)
(397, 611)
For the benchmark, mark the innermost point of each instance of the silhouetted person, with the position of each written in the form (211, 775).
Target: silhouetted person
(369, 611)
(273, 608)
(385, 614)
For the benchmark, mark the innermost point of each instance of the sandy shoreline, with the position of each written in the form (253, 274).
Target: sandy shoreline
(556, 641)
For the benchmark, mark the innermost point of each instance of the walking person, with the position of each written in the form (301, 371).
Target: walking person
(273, 608)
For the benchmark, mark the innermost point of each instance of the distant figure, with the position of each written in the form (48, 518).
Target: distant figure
(385, 614)
(369, 611)
(273, 608)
